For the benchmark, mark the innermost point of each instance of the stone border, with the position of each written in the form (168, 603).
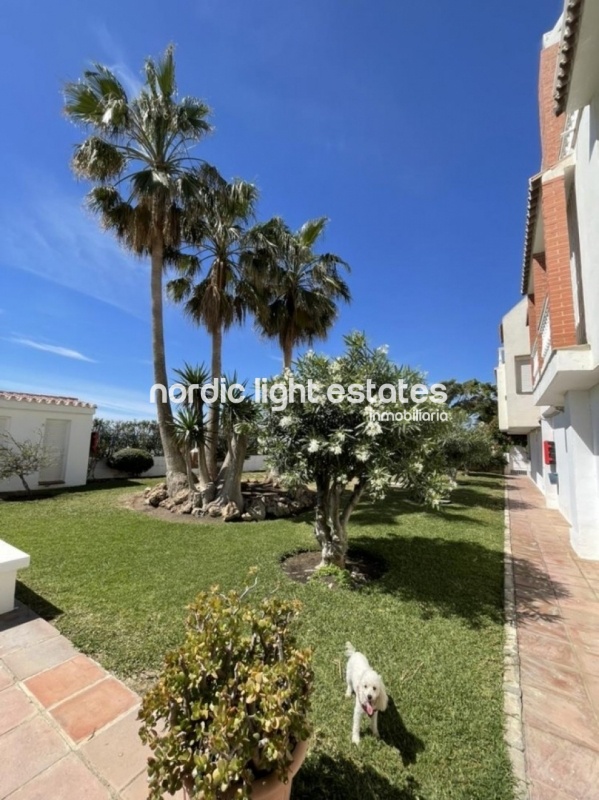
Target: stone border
(512, 690)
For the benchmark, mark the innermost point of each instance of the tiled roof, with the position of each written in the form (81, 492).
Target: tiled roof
(567, 51)
(534, 193)
(49, 399)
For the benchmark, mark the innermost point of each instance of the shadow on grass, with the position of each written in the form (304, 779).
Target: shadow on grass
(44, 608)
(455, 578)
(338, 778)
(394, 733)
(57, 491)
(397, 503)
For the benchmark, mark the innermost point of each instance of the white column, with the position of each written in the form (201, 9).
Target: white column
(582, 468)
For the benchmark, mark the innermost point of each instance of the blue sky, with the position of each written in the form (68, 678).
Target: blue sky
(413, 126)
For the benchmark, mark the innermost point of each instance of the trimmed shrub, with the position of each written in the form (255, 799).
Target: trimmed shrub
(132, 461)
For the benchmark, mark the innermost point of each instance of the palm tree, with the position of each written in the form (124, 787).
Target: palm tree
(217, 228)
(136, 155)
(187, 427)
(296, 289)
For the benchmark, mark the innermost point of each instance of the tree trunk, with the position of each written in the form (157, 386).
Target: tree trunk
(175, 464)
(329, 530)
(287, 354)
(191, 478)
(232, 470)
(330, 526)
(214, 410)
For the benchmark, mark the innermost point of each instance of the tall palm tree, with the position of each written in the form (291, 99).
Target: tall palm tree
(217, 229)
(297, 290)
(136, 156)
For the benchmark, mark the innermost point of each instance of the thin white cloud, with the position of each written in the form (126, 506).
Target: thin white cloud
(113, 402)
(118, 65)
(56, 350)
(51, 234)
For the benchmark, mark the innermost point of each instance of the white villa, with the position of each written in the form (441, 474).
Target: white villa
(65, 424)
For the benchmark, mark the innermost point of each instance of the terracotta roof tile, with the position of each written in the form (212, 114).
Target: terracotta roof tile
(49, 399)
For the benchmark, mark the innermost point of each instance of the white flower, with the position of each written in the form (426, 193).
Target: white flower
(417, 467)
(362, 454)
(372, 428)
(336, 449)
(286, 422)
(313, 446)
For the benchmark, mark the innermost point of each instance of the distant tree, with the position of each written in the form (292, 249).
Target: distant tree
(476, 398)
(21, 459)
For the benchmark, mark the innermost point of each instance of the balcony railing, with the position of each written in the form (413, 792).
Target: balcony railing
(541, 349)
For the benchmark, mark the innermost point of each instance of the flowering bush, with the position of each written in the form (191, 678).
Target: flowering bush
(231, 703)
(342, 445)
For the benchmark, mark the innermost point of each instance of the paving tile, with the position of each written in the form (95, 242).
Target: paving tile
(550, 626)
(29, 661)
(584, 639)
(93, 708)
(562, 765)
(588, 662)
(24, 634)
(138, 790)
(546, 648)
(5, 678)
(562, 715)
(68, 779)
(15, 707)
(26, 751)
(56, 684)
(117, 753)
(540, 791)
(548, 676)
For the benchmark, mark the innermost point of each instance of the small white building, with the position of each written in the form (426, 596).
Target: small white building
(65, 423)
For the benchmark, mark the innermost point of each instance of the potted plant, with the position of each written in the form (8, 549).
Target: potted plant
(228, 716)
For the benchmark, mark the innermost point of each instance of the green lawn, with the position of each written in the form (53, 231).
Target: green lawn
(117, 584)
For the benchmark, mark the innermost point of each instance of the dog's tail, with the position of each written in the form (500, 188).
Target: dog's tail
(349, 649)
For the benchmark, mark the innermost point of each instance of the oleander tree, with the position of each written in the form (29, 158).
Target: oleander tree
(341, 445)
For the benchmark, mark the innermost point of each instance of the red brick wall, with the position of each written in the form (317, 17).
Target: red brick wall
(552, 127)
(557, 264)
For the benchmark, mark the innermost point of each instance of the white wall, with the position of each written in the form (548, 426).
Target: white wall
(103, 471)
(587, 201)
(517, 412)
(27, 420)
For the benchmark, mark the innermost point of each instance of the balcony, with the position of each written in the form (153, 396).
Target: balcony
(541, 349)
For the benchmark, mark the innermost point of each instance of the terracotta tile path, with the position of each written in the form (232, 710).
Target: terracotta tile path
(557, 608)
(67, 728)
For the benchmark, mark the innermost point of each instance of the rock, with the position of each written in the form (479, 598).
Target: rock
(196, 500)
(169, 504)
(282, 509)
(214, 510)
(256, 510)
(181, 497)
(186, 508)
(231, 512)
(196, 512)
(156, 495)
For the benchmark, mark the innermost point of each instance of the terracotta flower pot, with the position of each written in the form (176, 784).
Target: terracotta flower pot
(272, 788)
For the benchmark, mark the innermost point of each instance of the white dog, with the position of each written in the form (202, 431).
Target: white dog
(368, 686)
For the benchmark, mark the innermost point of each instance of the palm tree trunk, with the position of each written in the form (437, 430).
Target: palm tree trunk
(214, 410)
(176, 478)
(287, 354)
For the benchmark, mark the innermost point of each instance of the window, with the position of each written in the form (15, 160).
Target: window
(523, 375)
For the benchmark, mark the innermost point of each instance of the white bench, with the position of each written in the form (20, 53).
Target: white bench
(11, 560)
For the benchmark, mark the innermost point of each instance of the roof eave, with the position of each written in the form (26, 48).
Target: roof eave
(534, 193)
(566, 55)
